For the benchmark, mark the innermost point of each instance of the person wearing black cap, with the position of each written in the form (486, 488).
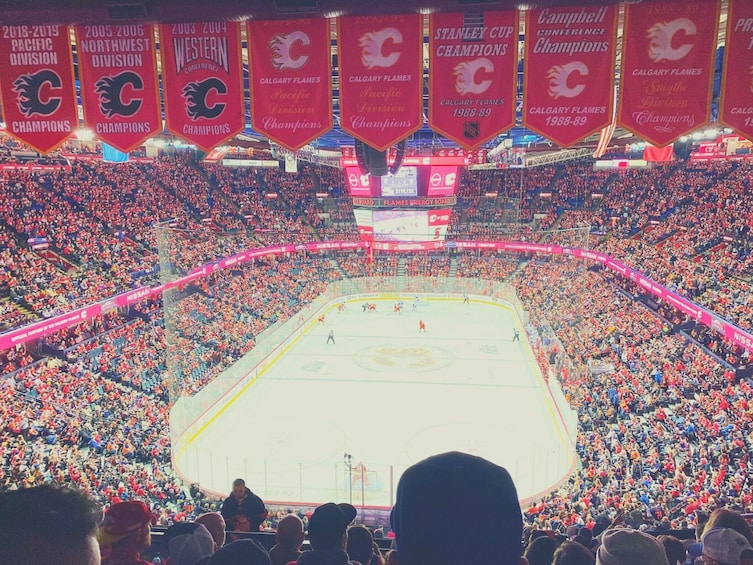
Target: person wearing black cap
(436, 494)
(327, 535)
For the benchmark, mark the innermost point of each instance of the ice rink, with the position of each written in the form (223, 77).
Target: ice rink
(387, 396)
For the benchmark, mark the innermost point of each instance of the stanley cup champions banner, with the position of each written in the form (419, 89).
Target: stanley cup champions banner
(736, 107)
(472, 75)
(37, 91)
(290, 70)
(667, 68)
(381, 77)
(568, 91)
(203, 86)
(119, 89)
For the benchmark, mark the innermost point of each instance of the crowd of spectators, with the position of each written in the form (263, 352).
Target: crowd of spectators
(665, 422)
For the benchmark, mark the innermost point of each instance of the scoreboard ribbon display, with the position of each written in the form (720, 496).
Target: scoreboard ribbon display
(667, 68)
(119, 89)
(203, 86)
(37, 90)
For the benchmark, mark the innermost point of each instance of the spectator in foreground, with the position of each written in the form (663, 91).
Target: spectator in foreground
(573, 553)
(125, 533)
(434, 494)
(725, 546)
(360, 546)
(215, 523)
(241, 552)
(48, 524)
(187, 543)
(623, 546)
(243, 510)
(288, 540)
(327, 534)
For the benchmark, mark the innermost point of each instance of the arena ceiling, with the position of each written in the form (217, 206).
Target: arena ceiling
(15, 12)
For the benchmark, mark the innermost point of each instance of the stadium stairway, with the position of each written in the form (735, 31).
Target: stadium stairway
(335, 264)
(451, 274)
(401, 263)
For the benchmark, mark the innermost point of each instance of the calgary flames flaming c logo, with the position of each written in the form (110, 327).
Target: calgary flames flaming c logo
(559, 76)
(660, 38)
(28, 88)
(372, 48)
(282, 46)
(466, 79)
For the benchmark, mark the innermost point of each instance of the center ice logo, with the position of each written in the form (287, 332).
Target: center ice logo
(372, 46)
(559, 77)
(282, 48)
(661, 36)
(468, 73)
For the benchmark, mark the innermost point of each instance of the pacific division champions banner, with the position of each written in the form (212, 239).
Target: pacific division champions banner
(736, 107)
(568, 92)
(291, 90)
(37, 91)
(203, 84)
(472, 75)
(119, 89)
(667, 68)
(381, 77)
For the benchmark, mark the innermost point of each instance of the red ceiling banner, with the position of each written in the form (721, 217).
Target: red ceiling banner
(119, 89)
(381, 77)
(473, 62)
(667, 68)
(568, 91)
(736, 106)
(291, 90)
(203, 83)
(37, 90)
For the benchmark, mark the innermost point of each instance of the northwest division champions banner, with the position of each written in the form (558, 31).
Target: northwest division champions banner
(203, 86)
(568, 91)
(119, 89)
(381, 77)
(736, 107)
(667, 68)
(472, 75)
(291, 90)
(37, 91)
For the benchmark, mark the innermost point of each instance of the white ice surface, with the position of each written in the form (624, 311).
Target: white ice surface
(389, 396)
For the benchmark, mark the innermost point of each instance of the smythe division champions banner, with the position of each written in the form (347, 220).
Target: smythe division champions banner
(381, 77)
(119, 90)
(291, 91)
(568, 92)
(472, 75)
(667, 68)
(736, 107)
(201, 71)
(36, 84)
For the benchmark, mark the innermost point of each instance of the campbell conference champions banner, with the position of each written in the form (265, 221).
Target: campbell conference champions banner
(203, 86)
(667, 68)
(37, 90)
(568, 91)
(381, 77)
(290, 70)
(736, 106)
(472, 75)
(119, 89)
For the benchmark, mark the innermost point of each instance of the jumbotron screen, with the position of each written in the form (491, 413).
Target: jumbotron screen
(422, 177)
(402, 225)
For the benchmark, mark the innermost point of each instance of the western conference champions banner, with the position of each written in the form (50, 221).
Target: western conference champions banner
(381, 77)
(37, 90)
(202, 81)
(119, 89)
(290, 70)
(568, 91)
(736, 105)
(472, 75)
(667, 68)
